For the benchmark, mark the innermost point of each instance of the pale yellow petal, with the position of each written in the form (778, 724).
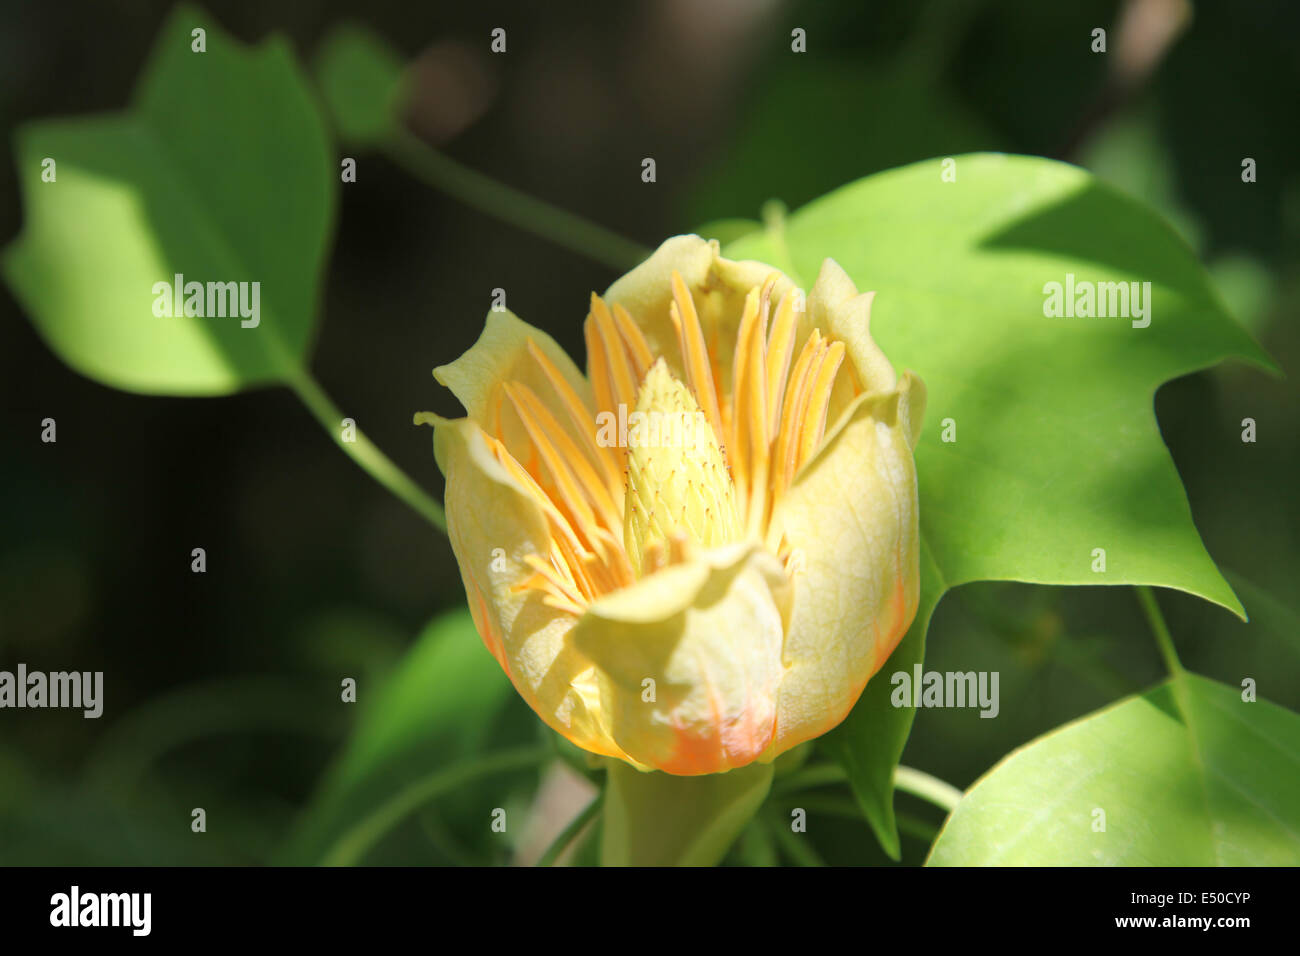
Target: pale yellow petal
(646, 292)
(708, 635)
(501, 355)
(911, 405)
(850, 519)
(495, 525)
(837, 308)
(718, 287)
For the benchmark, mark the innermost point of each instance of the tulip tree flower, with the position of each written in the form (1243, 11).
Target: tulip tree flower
(688, 599)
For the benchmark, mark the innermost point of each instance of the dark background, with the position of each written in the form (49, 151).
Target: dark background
(315, 571)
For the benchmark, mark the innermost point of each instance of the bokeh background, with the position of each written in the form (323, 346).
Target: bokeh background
(222, 688)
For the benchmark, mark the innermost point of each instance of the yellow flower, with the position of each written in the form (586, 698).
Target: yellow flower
(696, 555)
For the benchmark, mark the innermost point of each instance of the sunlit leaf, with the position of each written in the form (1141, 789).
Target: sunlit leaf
(728, 230)
(1140, 784)
(220, 172)
(1055, 450)
(867, 116)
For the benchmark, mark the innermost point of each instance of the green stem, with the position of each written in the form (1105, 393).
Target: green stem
(365, 453)
(1161, 630)
(929, 788)
(570, 833)
(919, 784)
(512, 206)
(356, 842)
(1179, 686)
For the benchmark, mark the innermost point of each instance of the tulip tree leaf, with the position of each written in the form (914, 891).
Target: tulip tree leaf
(360, 78)
(436, 708)
(220, 171)
(1187, 774)
(657, 819)
(880, 95)
(1056, 452)
(728, 230)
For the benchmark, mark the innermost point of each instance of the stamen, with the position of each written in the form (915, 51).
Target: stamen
(559, 523)
(637, 349)
(695, 355)
(574, 562)
(792, 414)
(750, 406)
(570, 468)
(780, 350)
(558, 593)
(813, 427)
(601, 381)
(616, 357)
(583, 421)
(571, 499)
(609, 549)
(759, 414)
(742, 398)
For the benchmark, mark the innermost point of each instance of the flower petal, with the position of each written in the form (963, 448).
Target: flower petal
(501, 355)
(717, 285)
(836, 307)
(708, 632)
(494, 525)
(851, 521)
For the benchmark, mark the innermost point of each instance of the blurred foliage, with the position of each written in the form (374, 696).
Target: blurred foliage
(360, 80)
(440, 706)
(190, 183)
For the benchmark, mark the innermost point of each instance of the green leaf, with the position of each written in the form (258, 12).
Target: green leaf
(360, 78)
(1220, 786)
(220, 171)
(657, 819)
(849, 101)
(1057, 449)
(728, 230)
(437, 708)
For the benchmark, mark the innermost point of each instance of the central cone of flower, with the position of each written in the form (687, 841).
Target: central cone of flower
(677, 481)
